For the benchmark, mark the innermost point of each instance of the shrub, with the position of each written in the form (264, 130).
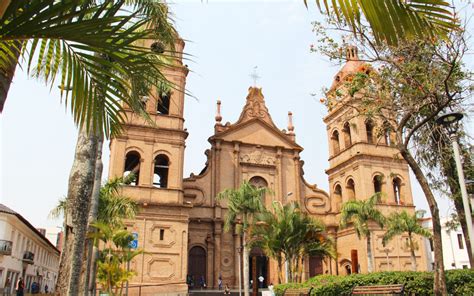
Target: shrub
(459, 282)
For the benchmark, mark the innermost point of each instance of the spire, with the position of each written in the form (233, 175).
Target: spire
(291, 128)
(218, 112)
(352, 53)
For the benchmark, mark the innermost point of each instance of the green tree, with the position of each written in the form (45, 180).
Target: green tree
(399, 223)
(113, 208)
(406, 88)
(360, 213)
(393, 21)
(243, 205)
(64, 42)
(288, 234)
(112, 272)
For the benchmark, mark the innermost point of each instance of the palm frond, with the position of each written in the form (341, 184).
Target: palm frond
(394, 20)
(92, 49)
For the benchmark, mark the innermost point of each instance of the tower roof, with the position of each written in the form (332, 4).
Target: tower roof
(352, 66)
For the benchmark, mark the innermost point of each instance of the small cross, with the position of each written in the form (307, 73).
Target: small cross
(254, 76)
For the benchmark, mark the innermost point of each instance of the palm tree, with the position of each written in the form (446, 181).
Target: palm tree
(392, 21)
(243, 204)
(116, 252)
(65, 41)
(112, 209)
(360, 213)
(287, 233)
(399, 223)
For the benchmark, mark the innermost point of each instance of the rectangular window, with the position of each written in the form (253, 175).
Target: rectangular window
(464, 267)
(460, 242)
(162, 234)
(431, 245)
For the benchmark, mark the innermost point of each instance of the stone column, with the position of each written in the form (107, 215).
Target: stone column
(210, 259)
(217, 252)
(237, 260)
(236, 164)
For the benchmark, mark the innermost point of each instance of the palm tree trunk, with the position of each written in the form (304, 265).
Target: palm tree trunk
(3, 6)
(246, 264)
(370, 266)
(439, 274)
(81, 183)
(66, 251)
(6, 76)
(412, 252)
(94, 207)
(280, 270)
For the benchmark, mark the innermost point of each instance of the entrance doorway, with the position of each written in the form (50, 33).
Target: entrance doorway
(197, 270)
(261, 267)
(315, 266)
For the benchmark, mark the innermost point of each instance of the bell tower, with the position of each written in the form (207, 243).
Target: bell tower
(362, 162)
(154, 153)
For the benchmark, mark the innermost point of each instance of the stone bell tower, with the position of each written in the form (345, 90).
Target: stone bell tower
(154, 153)
(363, 162)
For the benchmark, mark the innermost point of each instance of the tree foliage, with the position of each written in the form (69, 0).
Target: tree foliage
(93, 48)
(393, 21)
(288, 234)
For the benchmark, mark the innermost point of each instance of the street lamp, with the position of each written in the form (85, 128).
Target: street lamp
(450, 121)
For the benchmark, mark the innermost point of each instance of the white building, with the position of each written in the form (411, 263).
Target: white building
(25, 252)
(454, 246)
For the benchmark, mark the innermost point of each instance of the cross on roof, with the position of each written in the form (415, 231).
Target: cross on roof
(254, 76)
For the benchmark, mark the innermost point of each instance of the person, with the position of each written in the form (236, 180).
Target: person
(226, 290)
(219, 283)
(20, 286)
(188, 281)
(34, 288)
(203, 282)
(6, 289)
(260, 279)
(270, 288)
(46, 288)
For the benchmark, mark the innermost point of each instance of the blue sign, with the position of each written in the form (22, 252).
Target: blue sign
(134, 243)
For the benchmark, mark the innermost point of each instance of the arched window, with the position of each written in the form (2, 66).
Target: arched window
(397, 186)
(163, 103)
(160, 173)
(377, 184)
(132, 166)
(259, 182)
(338, 197)
(350, 189)
(347, 135)
(369, 129)
(335, 142)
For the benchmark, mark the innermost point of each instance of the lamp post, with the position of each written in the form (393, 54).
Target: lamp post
(450, 122)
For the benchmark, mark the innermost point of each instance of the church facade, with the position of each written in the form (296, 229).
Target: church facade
(180, 223)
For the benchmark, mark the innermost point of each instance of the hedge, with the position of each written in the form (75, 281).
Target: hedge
(459, 282)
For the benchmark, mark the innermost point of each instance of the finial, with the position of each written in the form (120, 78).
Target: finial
(291, 128)
(254, 76)
(352, 53)
(218, 113)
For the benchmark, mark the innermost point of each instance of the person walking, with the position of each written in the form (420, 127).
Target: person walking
(20, 286)
(219, 283)
(226, 290)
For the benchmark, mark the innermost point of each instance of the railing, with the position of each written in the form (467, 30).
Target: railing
(5, 247)
(29, 257)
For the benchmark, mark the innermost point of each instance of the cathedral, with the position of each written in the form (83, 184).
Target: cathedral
(180, 222)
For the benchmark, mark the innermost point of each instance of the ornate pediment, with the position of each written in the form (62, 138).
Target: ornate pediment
(255, 107)
(258, 157)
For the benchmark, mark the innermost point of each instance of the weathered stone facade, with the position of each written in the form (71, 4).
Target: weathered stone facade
(180, 225)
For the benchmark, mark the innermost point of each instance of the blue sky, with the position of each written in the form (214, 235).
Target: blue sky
(225, 41)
